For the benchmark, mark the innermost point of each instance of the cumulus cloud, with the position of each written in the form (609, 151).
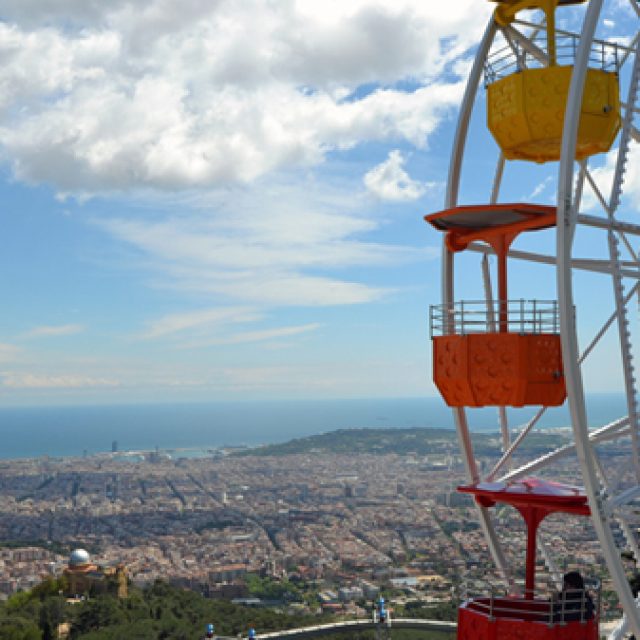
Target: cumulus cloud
(389, 180)
(172, 95)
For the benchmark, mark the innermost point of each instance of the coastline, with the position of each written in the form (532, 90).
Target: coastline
(76, 431)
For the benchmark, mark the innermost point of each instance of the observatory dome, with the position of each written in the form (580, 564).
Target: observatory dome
(79, 557)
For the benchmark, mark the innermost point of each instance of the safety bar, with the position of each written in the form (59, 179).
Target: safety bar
(545, 604)
(479, 316)
(507, 60)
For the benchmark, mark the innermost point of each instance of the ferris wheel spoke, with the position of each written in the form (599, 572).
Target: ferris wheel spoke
(612, 505)
(539, 463)
(596, 191)
(624, 497)
(604, 223)
(506, 456)
(613, 431)
(616, 481)
(607, 324)
(521, 55)
(526, 43)
(497, 180)
(610, 223)
(633, 108)
(520, 60)
(632, 252)
(585, 264)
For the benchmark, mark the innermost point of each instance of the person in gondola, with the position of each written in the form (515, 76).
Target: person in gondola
(573, 602)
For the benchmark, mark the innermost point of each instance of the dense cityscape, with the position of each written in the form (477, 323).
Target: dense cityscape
(319, 531)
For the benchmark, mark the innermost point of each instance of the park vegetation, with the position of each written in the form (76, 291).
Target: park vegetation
(159, 612)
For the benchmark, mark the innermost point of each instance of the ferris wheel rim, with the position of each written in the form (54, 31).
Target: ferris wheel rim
(451, 199)
(569, 341)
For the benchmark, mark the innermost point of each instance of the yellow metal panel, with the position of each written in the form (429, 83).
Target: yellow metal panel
(507, 117)
(525, 113)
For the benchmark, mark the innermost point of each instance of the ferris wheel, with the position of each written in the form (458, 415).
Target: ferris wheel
(561, 105)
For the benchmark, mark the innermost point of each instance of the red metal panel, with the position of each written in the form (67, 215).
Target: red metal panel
(518, 620)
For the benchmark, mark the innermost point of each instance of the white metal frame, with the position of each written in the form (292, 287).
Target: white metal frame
(567, 219)
(606, 505)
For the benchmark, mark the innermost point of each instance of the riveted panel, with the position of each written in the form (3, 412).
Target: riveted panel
(499, 369)
(525, 113)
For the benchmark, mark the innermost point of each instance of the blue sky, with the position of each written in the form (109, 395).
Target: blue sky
(222, 200)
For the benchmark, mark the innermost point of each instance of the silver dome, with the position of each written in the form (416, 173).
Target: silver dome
(78, 558)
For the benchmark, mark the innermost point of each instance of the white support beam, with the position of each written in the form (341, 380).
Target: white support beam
(630, 48)
(624, 497)
(629, 269)
(604, 223)
(526, 44)
(617, 429)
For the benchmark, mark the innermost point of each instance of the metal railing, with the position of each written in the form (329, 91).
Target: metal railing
(545, 604)
(479, 316)
(353, 626)
(505, 60)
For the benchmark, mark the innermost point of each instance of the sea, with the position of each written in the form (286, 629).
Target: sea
(29, 432)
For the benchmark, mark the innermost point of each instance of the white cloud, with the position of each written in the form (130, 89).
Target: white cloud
(198, 320)
(171, 95)
(53, 331)
(109, 139)
(264, 335)
(275, 245)
(389, 180)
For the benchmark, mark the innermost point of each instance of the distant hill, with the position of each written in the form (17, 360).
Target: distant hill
(419, 441)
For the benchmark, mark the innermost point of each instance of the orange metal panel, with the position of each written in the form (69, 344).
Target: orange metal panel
(499, 369)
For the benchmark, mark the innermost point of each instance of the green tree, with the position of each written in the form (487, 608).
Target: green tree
(104, 611)
(16, 628)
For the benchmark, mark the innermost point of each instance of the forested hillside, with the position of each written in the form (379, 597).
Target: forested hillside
(159, 612)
